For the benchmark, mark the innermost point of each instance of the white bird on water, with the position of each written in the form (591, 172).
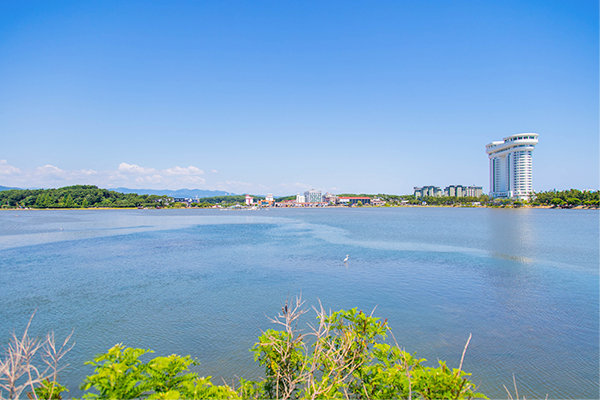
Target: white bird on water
(346, 259)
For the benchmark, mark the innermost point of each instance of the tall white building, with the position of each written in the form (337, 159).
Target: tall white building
(510, 166)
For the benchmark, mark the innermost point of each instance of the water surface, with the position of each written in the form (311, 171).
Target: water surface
(524, 283)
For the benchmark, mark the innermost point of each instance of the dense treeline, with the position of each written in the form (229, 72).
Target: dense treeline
(449, 200)
(564, 198)
(571, 197)
(78, 196)
(230, 199)
(392, 199)
(291, 197)
(434, 201)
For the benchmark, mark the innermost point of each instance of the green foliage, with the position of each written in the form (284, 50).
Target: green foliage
(229, 200)
(450, 200)
(49, 390)
(78, 196)
(120, 374)
(398, 374)
(282, 357)
(344, 357)
(568, 197)
(292, 197)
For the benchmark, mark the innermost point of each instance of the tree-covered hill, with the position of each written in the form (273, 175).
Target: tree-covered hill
(78, 196)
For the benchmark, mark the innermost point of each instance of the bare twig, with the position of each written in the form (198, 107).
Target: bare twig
(463, 354)
(516, 391)
(17, 366)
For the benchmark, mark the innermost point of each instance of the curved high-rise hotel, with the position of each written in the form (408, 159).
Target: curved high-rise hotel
(510, 166)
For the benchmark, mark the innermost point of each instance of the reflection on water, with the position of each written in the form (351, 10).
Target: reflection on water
(199, 282)
(512, 233)
(512, 258)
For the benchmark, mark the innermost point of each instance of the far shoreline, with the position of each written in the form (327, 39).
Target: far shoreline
(294, 208)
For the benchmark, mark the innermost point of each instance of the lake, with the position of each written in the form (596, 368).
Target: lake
(523, 282)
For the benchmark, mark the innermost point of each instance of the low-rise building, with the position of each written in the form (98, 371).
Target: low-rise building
(184, 200)
(313, 196)
(286, 203)
(331, 198)
(350, 200)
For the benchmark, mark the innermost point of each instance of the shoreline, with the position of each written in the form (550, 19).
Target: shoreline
(312, 208)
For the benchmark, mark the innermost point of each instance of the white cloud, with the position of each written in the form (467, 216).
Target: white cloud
(50, 170)
(193, 180)
(126, 175)
(7, 169)
(191, 170)
(134, 169)
(45, 176)
(135, 177)
(151, 179)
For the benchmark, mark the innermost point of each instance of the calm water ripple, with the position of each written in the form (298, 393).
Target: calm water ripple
(201, 282)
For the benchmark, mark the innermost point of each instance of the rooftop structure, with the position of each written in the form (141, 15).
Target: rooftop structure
(511, 166)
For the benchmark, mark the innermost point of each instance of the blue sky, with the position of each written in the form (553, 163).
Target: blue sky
(272, 96)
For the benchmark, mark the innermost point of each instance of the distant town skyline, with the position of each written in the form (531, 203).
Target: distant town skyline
(271, 97)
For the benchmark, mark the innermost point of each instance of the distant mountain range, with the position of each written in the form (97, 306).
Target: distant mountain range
(189, 193)
(8, 188)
